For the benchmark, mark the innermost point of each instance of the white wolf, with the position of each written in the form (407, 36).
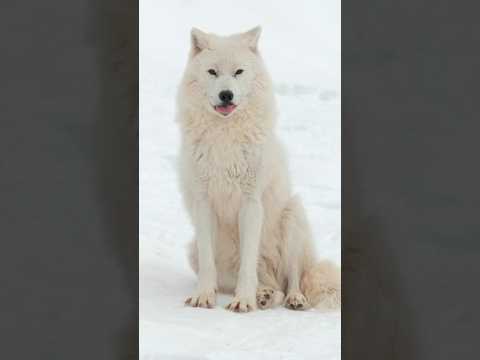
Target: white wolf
(251, 235)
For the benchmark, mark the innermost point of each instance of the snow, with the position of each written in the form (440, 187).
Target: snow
(301, 46)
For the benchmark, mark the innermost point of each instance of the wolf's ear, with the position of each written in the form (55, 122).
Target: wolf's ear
(252, 36)
(199, 41)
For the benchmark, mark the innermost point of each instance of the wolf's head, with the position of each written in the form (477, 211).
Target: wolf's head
(224, 74)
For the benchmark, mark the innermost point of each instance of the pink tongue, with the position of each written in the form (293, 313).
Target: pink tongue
(226, 109)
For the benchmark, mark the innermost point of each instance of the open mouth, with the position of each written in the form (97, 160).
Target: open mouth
(225, 109)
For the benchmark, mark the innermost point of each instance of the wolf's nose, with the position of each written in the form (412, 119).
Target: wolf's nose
(226, 96)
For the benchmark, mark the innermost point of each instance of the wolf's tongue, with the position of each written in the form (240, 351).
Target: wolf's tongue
(225, 109)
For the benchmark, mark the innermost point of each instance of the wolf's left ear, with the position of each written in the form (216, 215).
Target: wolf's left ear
(252, 37)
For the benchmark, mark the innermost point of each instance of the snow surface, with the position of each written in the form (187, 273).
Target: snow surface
(301, 46)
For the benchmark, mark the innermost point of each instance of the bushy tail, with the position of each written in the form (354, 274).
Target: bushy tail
(321, 284)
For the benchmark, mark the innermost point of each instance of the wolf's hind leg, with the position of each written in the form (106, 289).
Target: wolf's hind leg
(268, 297)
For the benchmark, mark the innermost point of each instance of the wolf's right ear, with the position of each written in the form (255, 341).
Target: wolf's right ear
(199, 41)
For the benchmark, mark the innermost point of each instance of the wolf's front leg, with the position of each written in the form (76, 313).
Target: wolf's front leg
(206, 227)
(250, 226)
(297, 235)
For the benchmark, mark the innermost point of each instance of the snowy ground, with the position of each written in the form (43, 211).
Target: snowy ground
(301, 46)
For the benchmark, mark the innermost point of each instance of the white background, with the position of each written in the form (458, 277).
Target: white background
(301, 46)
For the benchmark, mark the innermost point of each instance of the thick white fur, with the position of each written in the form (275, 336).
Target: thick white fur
(251, 235)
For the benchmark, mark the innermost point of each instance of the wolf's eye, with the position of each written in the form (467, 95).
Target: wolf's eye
(238, 72)
(212, 72)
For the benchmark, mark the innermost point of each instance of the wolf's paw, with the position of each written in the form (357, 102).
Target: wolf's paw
(265, 297)
(296, 301)
(205, 299)
(242, 304)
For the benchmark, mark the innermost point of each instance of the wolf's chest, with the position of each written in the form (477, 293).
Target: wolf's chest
(226, 173)
(225, 167)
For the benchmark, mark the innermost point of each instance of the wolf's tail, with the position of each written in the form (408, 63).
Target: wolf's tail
(321, 284)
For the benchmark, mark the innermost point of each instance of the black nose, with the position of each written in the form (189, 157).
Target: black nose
(226, 96)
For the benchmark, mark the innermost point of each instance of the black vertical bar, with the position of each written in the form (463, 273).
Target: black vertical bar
(69, 179)
(410, 179)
